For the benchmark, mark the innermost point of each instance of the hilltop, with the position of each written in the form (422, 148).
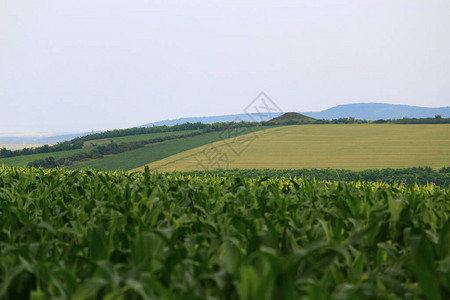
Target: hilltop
(291, 118)
(216, 119)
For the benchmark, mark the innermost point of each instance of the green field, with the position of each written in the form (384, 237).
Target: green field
(138, 137)
(354, 147)
(153, 152)
(21, 161)
(99, 235)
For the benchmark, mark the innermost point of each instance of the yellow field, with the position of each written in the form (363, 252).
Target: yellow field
(354, 147)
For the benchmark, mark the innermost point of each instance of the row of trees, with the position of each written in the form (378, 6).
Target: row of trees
(142, 130)
(436, 120)
(419, 175)
(350, 120)
(158, 129)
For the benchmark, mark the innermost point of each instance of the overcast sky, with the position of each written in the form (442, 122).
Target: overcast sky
(81, 65)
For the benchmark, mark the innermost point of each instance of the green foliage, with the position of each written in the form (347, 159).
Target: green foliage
(436, 120)
(95, 235)
(159, 129)
(291, 118)
(48, 162)
(24, 160)
(135, 138)
(351, 120)
(417, 175)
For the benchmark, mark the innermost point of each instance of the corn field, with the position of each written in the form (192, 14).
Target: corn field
(98, 235)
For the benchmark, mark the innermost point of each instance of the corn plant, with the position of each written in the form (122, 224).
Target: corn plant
(113, 235)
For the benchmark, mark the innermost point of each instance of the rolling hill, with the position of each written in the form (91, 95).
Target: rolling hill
(153, 152)
(363, 111)
(216, 119)
(127, 156)
(22, 161)
(349, 146)
(290, 117)
(354, 147)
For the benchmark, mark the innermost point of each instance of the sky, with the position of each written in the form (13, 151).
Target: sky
(82, 65)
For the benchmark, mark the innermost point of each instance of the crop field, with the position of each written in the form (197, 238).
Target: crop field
(354, 147)
(138, 137)
(22, 161)
(153, 152)
(98, 235)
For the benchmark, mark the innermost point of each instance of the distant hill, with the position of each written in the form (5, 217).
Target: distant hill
(214, 119)
(41, 140)
(362, 111)
(376, 111)
(292, 117)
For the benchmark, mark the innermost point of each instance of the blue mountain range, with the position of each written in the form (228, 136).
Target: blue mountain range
(362, 111)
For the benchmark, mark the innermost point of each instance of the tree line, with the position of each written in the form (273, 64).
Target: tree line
(218, 126)
(351, 120)
(436, 120)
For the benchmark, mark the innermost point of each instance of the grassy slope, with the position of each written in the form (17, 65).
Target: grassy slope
(139, 137)
(153, 152)
(354, 147)
(292, 116)
(21, 161)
